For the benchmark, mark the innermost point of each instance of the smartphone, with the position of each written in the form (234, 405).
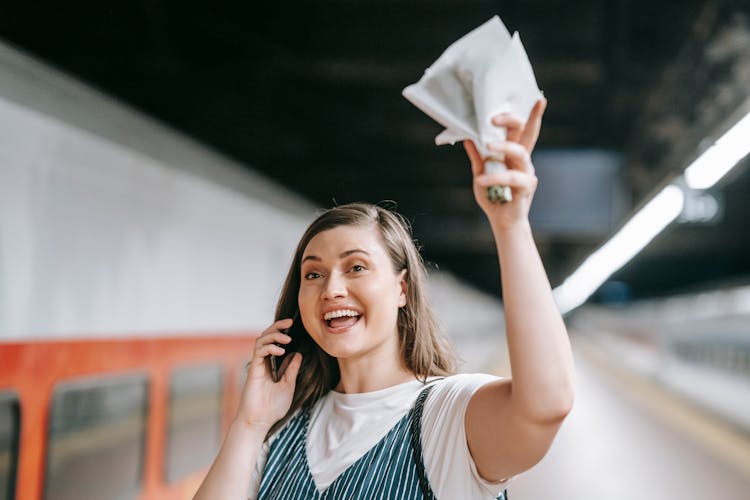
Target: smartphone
(298, 334)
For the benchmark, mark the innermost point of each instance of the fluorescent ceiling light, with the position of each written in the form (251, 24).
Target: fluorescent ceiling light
(657, 214)
(615, 253)
(721, 157)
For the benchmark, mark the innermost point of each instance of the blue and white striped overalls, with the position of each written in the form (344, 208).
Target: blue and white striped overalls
(392, 469)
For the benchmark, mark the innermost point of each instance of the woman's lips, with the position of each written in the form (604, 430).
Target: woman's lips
(341, 325)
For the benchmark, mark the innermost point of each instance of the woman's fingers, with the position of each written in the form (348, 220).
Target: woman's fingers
(530, 132)
(265, 344)
(512, 178)
(269, 349)
(290, 372)
(518, 131)
(516, 156)
(279, 325)
(271, 337)
(520, 173)
(276, 327)
(521, 139)
(477, 165)
(513, 125)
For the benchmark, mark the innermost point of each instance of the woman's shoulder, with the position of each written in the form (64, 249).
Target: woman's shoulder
(460, 384)
(449, 397)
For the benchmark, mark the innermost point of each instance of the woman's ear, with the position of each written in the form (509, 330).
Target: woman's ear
(404, 288)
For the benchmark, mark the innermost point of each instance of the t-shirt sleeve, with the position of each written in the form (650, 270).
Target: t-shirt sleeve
(257, 473)
(450, 468)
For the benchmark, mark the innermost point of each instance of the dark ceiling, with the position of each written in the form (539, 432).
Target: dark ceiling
(310, 94)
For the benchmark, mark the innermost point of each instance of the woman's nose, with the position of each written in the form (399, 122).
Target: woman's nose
(334, 287)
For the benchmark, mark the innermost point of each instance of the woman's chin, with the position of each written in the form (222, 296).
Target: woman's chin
(341, 350)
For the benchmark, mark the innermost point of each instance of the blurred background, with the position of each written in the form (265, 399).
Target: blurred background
(159, 161)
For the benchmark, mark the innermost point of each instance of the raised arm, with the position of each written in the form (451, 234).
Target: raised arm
(510, 424)
(263, 403)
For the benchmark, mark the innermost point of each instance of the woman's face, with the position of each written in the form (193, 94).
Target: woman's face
(349, 294)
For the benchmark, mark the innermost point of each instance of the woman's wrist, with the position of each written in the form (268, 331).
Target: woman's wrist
(249, 430)
(521, 227)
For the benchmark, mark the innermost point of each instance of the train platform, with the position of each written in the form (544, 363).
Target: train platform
(631, 437)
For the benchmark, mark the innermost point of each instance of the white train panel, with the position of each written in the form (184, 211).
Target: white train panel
(100, 238)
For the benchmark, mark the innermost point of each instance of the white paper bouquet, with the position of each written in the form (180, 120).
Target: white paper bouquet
(484, 73)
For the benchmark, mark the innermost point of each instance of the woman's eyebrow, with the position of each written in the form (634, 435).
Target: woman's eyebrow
(349, 252)
(341, 255)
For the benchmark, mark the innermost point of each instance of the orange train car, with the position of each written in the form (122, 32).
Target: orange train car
(115, 418)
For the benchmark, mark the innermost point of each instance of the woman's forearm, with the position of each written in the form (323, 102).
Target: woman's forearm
(229, 476)
(538, 344)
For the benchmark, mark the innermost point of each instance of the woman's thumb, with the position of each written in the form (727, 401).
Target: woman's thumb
(290, 375)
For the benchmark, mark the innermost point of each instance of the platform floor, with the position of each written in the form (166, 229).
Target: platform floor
(627, 439)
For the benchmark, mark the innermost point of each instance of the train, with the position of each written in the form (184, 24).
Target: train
(133, 284)
(136, 269)
(115, 418)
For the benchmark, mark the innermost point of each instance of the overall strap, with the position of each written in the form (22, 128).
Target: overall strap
(416, 443)
(416, 446)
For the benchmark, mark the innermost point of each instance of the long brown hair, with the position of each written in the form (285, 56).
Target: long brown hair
(424, 350)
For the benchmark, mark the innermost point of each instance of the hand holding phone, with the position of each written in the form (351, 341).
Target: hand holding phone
(278, 364)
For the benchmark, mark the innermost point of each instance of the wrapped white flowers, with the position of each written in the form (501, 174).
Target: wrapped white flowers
(484, 73)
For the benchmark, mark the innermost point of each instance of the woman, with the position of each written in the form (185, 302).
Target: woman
(370, 408)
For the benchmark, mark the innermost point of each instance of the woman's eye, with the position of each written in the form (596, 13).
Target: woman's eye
(357, 268)
(312, 276)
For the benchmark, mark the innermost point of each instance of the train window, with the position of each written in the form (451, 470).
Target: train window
(97, 438)
(9, 433)
(194, 419)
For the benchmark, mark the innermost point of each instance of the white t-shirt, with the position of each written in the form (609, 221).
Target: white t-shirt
(343, 427)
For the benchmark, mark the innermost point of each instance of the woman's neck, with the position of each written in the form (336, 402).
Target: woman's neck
(372, 372)
(350, 385)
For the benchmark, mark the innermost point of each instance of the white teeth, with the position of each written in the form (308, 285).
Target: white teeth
(339, 313)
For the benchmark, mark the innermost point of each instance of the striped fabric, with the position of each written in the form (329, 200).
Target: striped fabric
(392, 469)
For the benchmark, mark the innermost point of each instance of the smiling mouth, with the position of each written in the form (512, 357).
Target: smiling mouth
(342, 323)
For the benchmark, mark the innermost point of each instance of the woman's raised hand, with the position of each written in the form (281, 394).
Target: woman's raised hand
(520, 140)
(264, 401)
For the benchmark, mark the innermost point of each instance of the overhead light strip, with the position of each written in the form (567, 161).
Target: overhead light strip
(721, 157)
(656, 215)
(623, 246)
